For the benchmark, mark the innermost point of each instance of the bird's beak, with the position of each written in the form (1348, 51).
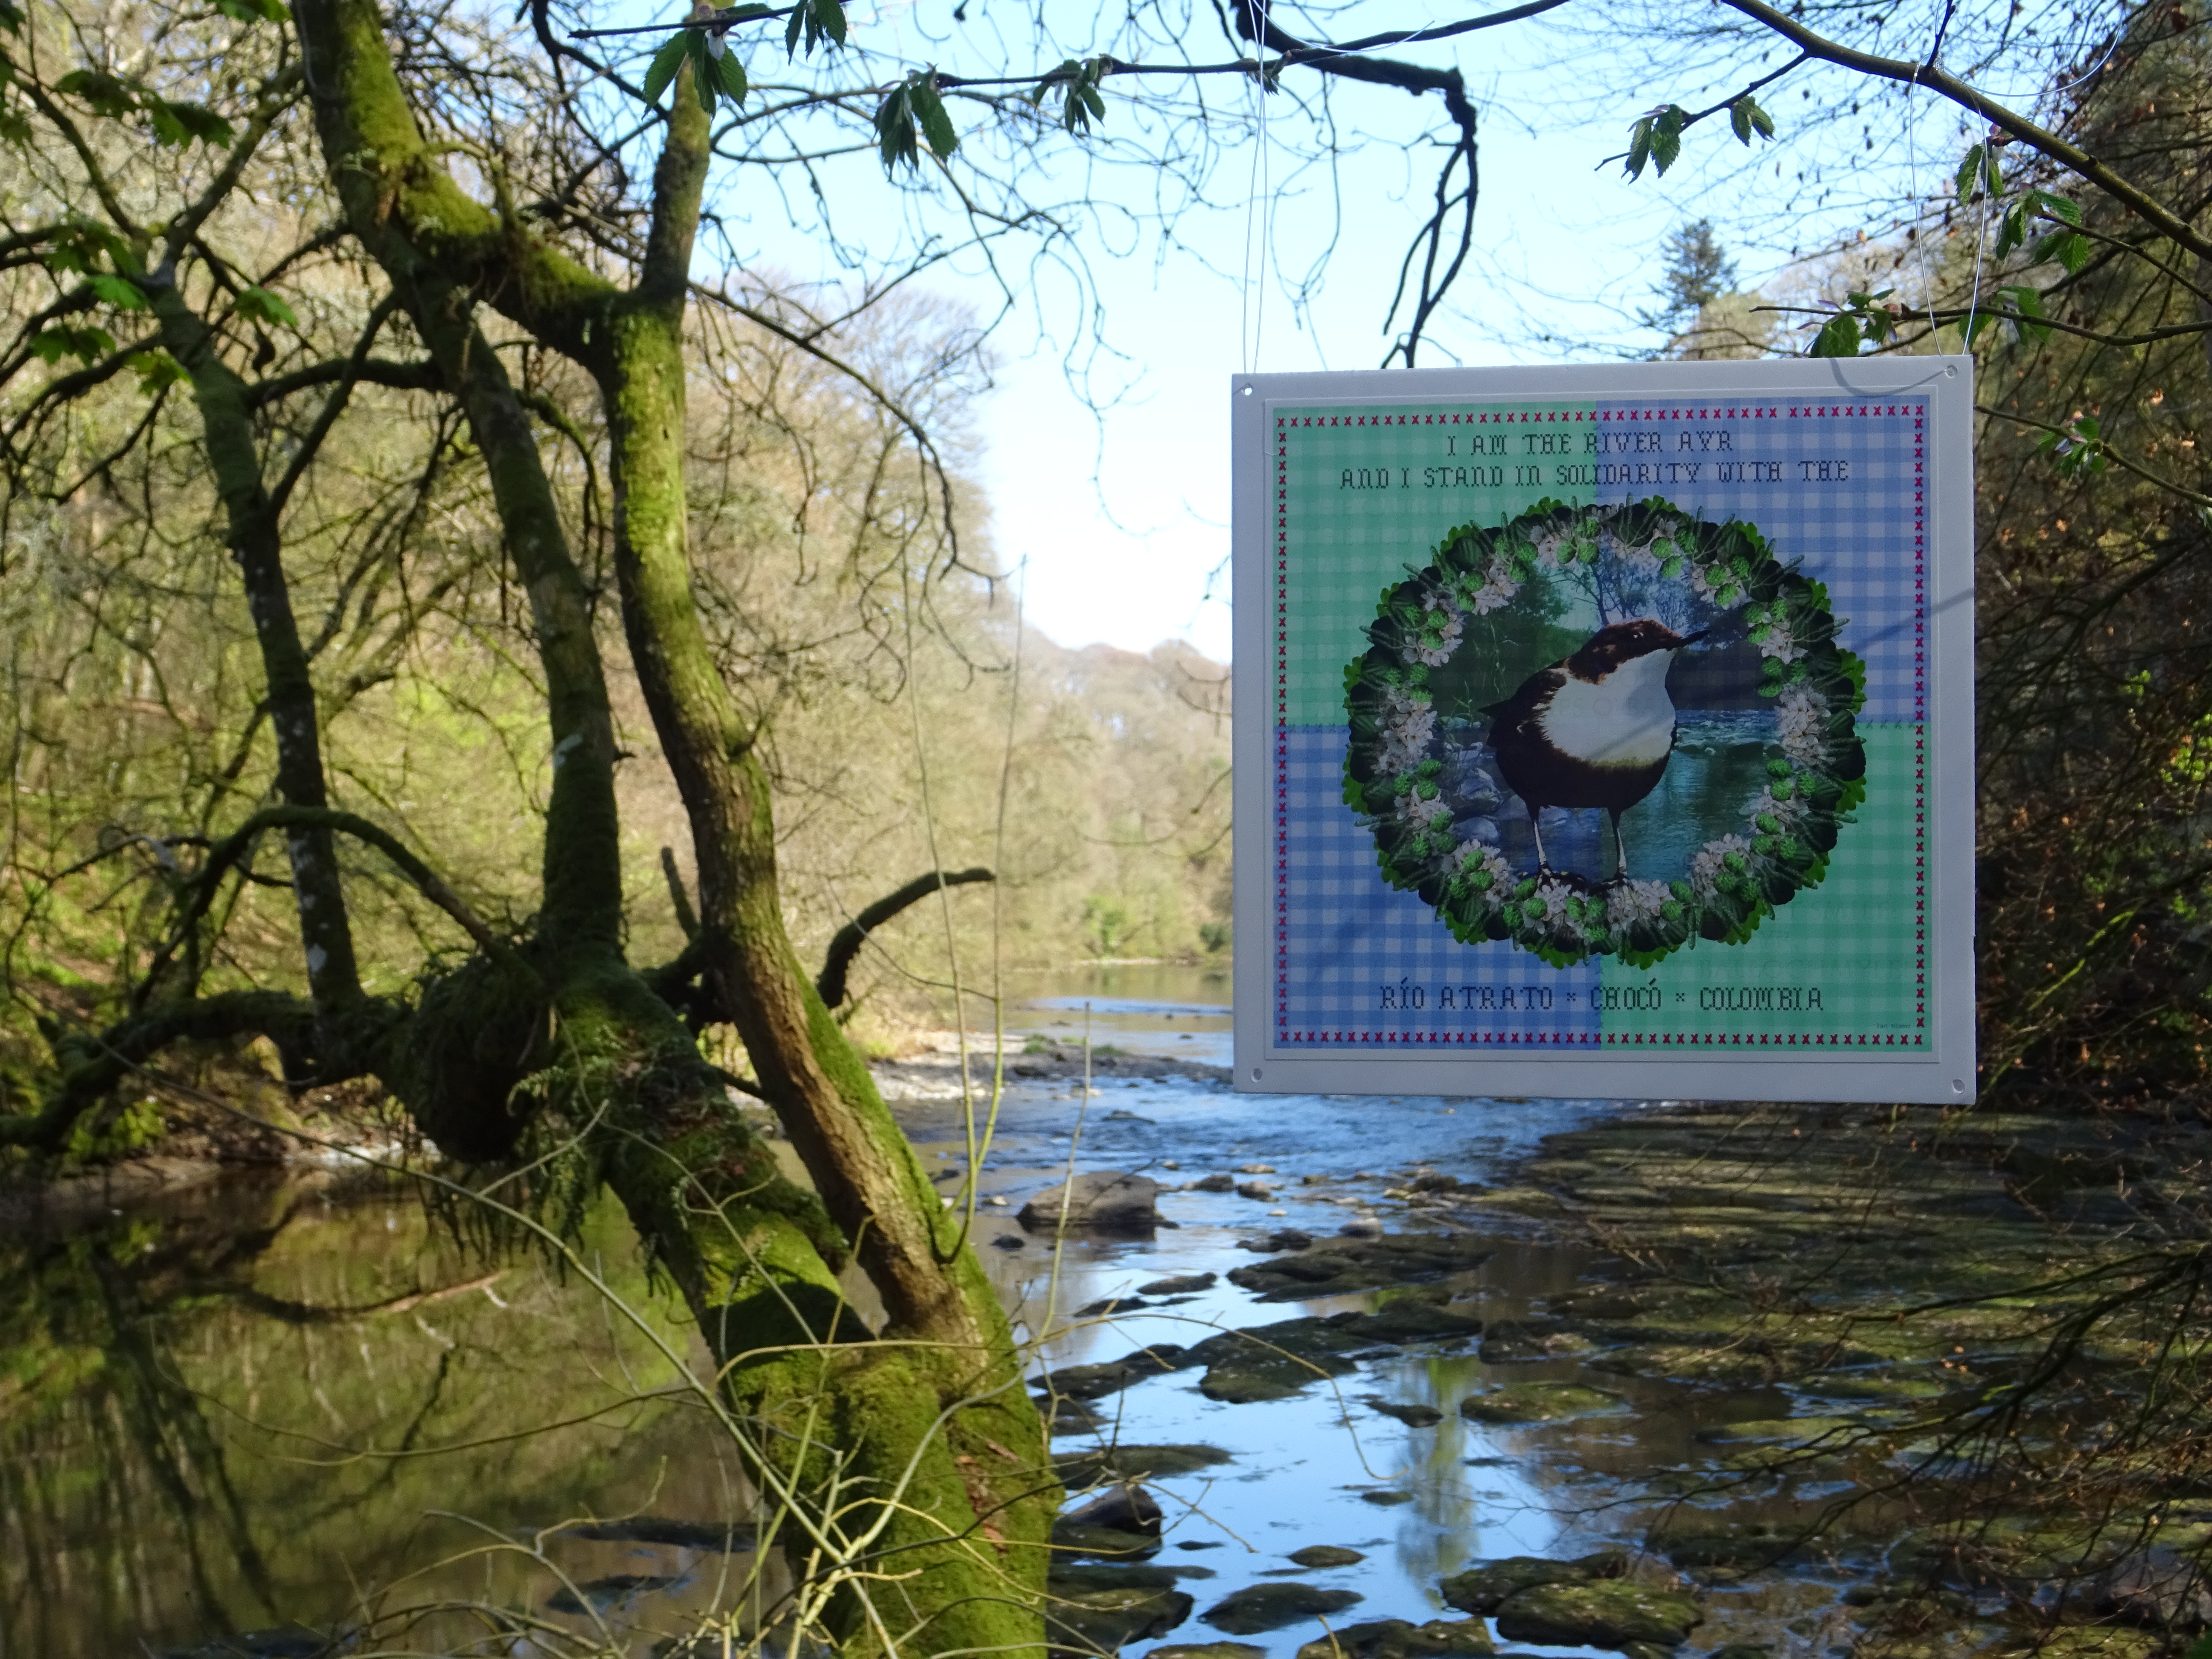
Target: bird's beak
(1692, 639)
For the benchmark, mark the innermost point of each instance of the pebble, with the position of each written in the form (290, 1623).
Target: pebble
(1260, 1191)
(1364, 1226)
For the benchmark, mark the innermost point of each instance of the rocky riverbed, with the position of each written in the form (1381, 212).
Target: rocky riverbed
(1378, 1377)
(1694, 1380)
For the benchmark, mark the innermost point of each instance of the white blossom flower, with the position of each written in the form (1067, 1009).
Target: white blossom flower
(1409, 723)
(1423, 811)
(1780, 645)
(1498, 589)
(1629, 903)
(1802, 712)
(1552, 893)
(1706, 866)
(1788, 812)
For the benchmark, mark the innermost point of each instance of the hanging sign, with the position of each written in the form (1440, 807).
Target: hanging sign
(1607, 732)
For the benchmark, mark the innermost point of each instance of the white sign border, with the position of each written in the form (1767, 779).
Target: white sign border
(1945, 1074)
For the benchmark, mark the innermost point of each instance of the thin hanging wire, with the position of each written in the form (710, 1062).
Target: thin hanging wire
(1258, 208)
(1913, 182)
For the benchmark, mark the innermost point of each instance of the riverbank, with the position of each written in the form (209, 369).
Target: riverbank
(1823, 1380)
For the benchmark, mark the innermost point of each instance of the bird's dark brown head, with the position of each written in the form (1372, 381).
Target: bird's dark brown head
(1624, 642)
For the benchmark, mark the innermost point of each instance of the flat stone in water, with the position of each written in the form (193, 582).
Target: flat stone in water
(1209, 1650)
(1538, 1402)
(1091, 1620)
(1272, 1362)
(1386, 1499)
(1343, 1266)
(1073, 1538)
(1258, 1608)
(1134, 1463)
(1182, 1284)
(1326, 1555)
(1599, 1614)
(1413, 1416)
(1399, 1639)
(1481, 1590)
(1522, 1341)
(1096, 1381)
(1414, 1321)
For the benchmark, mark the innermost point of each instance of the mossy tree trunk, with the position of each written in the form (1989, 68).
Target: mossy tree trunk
(923, 1441)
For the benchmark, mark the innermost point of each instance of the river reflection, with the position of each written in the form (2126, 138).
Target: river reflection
(300, 1402)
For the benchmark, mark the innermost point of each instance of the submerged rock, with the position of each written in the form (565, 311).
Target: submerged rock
(1099, 1200)
(1412, 1415)
(1608, 1613)
(1482, 1590)
(1214, 1183)
(1283, 1238)
(1181, 1285)
(1273, 1362)
(1527, 1340)
(1342, 1265)
(1258, 1608)
(1135, 1462)
(1089, 1620)
(1109, 1304)
(1112, 1375)
(1399, 1639)
(1317, 1555)
(1538, 1402)
(1126, 1508)
(1209, 1650)
(1747, 1546)
(1413, 1320)
(1072, 1538)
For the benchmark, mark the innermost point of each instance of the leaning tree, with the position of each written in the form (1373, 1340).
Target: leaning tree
(466, 198)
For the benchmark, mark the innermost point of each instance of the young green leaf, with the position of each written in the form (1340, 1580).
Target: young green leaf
(259, 304)
(704, 74)
(120, 292)
(1667, 136)
(732, 75)
(1969, 170)
(895, 133)
(929, 107)
(104, 94)
(196, 121)
(51, 345)
(1839, 337)
(156, 371)
(2027, 312)
(666, 62)
(2049, 206)
(830, 14)
(1639, 147)
(11, 17)
(2070, 248)
(1746, 118)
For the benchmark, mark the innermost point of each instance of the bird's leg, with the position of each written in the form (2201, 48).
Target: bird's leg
(1619, 848)
(1538, 830)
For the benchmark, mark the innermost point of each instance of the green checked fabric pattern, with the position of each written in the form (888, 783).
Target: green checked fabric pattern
(1364, 496)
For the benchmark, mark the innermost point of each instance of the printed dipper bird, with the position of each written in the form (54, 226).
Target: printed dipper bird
(1595, 729)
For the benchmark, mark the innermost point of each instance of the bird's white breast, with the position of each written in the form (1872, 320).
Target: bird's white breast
(1627, 718)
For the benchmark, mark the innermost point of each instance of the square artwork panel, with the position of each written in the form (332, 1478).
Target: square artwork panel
(1607, 720)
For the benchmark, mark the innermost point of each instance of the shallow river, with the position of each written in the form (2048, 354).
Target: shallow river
(289, 1402)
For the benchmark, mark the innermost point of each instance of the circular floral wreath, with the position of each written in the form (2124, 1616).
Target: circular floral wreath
(1816, 771)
